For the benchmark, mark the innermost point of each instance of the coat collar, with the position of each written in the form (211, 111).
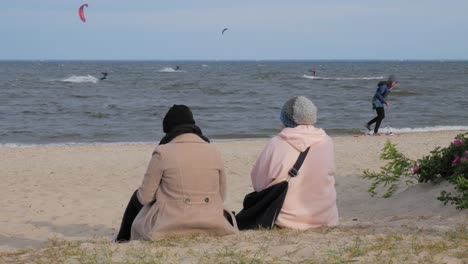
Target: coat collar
(188, 137)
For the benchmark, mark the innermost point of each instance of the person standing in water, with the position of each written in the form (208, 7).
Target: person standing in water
(379, 100)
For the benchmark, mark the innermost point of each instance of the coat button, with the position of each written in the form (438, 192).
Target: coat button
(187, 200)
(207, 200)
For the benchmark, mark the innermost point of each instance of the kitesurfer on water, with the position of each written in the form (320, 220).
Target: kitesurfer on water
(313, 72)
(104, 75)
(379, 100)
(177, 68)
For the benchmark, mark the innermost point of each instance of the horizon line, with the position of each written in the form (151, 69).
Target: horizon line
(235, 60)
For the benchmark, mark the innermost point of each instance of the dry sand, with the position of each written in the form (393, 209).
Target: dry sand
(75, 192)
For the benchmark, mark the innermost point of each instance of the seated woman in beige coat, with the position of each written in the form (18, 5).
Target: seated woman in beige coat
(183, 189)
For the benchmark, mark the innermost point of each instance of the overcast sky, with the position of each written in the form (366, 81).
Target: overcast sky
(258, 29)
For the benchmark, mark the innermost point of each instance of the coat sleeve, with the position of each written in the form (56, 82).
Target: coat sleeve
(260, 175)
(380, 92)
(222, 181)
(152, 179)
(331, 157)
(222, 184)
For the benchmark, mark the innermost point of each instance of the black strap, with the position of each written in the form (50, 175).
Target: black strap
(295, 169)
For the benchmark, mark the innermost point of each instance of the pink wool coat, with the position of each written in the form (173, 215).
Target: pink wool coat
(311, 198)
(183, 191)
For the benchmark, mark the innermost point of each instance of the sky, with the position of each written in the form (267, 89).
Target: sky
(258, 30)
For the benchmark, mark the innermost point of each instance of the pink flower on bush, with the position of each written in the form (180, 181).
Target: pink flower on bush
(463, 159)
(466, 153)
(456, 160)
(458, 142)
(415, 169)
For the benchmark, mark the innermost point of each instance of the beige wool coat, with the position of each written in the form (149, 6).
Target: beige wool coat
(183, 191)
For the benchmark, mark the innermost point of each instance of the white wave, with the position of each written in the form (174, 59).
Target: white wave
(204, 65)
(13, 145)
(387, 130)
(341, 78)
(311, 77)
(169, 69)
(25, 145)
(80, 79)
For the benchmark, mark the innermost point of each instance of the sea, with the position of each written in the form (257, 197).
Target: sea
(65, 102)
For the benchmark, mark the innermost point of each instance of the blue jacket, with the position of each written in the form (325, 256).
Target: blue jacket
(380, 94)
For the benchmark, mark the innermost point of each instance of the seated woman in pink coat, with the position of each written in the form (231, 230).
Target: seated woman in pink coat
(311, 198)
(183, 189)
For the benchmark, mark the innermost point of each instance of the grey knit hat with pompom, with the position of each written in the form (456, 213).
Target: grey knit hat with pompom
(298, 111)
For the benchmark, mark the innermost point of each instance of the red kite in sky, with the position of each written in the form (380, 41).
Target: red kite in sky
(81, 12)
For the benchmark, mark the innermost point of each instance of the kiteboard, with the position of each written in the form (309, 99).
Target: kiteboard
(312, 77)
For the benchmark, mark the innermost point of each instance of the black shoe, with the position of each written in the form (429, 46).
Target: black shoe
(119, 241)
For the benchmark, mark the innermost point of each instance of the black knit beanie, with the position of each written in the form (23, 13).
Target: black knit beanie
(176, 116)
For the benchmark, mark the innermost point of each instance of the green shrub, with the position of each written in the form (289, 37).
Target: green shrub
(390, 174)
(449, 163)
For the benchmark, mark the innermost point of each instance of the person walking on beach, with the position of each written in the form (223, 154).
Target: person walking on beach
(183, 189)
(311, 196)
(379, 100)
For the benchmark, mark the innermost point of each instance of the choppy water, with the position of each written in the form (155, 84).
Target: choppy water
(63, 102)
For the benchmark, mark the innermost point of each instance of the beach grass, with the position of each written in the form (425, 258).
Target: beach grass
(326, 245)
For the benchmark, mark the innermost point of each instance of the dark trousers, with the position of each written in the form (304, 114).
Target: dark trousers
(133, 208)
(378, 119)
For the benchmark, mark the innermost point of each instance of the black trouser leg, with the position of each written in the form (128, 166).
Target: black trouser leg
(380, 117)
(134, 206)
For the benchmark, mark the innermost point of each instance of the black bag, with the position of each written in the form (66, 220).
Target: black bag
(262, 208)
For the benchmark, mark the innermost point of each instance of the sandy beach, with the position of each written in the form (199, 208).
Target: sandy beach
(78, 193)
